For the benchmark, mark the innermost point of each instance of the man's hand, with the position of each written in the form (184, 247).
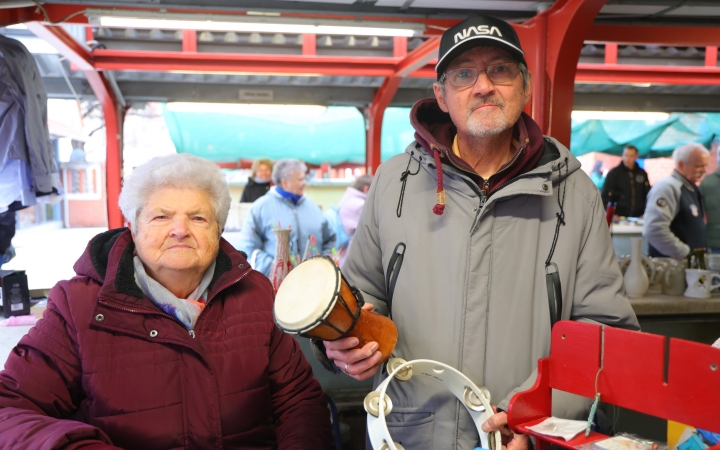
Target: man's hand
(359, 363)
(510, 440)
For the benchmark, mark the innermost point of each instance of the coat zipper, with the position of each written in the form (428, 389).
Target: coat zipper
(192, 332)
(632, 192)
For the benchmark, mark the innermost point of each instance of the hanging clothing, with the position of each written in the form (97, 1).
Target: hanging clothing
(24, 132)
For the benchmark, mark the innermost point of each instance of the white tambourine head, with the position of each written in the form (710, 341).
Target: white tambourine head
(306, 295)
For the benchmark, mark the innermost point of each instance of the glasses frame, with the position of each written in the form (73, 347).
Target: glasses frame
(445, 75)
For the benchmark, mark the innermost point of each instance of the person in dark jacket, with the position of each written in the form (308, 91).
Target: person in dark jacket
(165, 338)
(259, 182)
(627, 185)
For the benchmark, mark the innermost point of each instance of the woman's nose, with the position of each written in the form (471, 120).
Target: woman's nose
(180, 226)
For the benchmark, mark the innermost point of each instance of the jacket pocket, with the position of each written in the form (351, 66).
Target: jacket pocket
(413, 428)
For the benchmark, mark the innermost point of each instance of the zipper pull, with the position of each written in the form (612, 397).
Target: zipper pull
(484, 190)
(192, 333)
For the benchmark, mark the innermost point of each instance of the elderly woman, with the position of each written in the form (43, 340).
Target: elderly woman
(285, 206)
(165, 338)
(259, 182)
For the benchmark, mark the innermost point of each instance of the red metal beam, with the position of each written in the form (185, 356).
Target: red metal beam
(657, 35)
(309, 45)
(711, 56)
(611, 53)
(78, 55)
(627, 74)
(420, 61)
(189, 41)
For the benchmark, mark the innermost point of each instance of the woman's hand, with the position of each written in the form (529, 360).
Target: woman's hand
(359, 363)
(510, 440)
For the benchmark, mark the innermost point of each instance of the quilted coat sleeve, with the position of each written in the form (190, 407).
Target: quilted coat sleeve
(40, 388)
(300, 405)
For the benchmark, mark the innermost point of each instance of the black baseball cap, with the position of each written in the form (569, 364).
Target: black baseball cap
(475, 31)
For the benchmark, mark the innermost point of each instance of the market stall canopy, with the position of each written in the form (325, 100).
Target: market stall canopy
(315, 134)
(653, 139)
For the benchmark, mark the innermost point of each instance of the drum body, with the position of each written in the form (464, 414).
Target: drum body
(316, 301)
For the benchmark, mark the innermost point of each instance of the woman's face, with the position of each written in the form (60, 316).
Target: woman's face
(263, 172)
(177, 231)
(295, 183)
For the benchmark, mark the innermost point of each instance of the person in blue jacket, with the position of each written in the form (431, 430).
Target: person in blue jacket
(285, 206)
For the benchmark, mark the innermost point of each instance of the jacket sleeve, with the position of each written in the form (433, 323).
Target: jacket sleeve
(608, 188)
(299, 403)
(328, 237)
(252, 243)
(661, 209)
(40, 388)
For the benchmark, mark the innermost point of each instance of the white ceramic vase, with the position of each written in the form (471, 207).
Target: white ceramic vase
(636, 279)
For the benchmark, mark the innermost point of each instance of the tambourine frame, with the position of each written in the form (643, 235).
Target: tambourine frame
(337, 297)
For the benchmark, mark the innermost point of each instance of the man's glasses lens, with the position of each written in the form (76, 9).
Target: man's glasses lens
(497, 73)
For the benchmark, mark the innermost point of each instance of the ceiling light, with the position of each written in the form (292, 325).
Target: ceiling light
(206, 36)
(255, 38)
(327, 42)
(156, 34)
(374, 42)
(351, 41)
(278, 39)
(250, 23)
(178, 35)
(104, 32)
(299, 40)
(130, 33)
(231, 37)
(620, 115)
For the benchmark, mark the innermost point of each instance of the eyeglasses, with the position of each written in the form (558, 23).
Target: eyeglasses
(502, 73)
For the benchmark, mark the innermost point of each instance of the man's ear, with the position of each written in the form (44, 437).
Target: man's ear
(439, 97)
(528, 90)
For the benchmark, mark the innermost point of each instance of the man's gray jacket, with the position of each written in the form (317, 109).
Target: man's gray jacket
(471, 292)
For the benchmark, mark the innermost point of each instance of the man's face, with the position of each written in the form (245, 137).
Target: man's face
(295, 183)
(483, 109)
(694, 168)
(629, 156)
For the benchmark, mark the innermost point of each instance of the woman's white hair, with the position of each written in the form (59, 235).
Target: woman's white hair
(285, 168)
(181, 171)
(683, 152)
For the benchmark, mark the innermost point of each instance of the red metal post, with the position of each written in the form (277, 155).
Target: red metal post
(611, 53)
(189, 41)
(711, 56)
(78, 55)
(400, 46)
(309, 44)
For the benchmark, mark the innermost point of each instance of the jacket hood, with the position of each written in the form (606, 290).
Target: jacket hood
(94, 260)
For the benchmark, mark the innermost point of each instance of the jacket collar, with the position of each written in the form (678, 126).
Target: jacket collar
(687, 183)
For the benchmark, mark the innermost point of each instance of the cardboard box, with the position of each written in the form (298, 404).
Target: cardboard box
(14, 294)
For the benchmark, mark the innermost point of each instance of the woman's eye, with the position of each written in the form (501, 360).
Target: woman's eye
(199, 219)
(160, 217)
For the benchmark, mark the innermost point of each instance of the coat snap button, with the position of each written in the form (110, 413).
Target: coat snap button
(153, 333)
(241, 265)
(474, 209)
(99, 318)
(545, 187)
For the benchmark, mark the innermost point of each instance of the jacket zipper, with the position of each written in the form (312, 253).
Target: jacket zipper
(632, 192)
(192, 332)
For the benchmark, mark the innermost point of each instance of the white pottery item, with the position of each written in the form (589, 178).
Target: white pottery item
(700, 283)
(636, 278)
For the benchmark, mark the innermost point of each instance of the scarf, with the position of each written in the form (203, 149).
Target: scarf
(185, 310)
(289, 195)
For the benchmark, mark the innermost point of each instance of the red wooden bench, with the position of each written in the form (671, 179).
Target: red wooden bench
(633, 377)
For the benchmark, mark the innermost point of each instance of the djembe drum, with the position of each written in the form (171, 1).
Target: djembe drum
(315, 301)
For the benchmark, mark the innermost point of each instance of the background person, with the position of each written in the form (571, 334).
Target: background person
(259, 182)
(674, 222)
(627, 185)
(710, 188)
(285, 206)
(477, 199)
(164, 339)
(596, 176)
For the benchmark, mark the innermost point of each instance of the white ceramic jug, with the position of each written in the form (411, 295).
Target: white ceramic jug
(636, 279)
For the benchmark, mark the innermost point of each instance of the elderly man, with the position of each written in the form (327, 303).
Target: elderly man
(710, 187)
(285, 206)
(627, 185)
(491, 213)
(675, 215)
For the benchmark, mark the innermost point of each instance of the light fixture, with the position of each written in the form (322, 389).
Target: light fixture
(327, 42)
(255, 38)
(231, 37)
(278, 39)
(374, 42)
(250, 23)
(130, 33)
(351, 41)
(156, 34)
(178, 35)
(206, 36)
(104, 32)
(299, 40)
(620, 115)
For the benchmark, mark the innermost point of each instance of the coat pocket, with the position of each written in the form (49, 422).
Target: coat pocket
(413, 428)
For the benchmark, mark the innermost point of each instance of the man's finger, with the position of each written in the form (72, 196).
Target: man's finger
(497, 422)
(342, 344)
(363, 369)
(368, 306)
(352, 356)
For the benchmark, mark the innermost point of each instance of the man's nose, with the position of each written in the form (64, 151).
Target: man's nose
(483, 86)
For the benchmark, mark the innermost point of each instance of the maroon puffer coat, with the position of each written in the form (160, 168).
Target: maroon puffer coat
(105, 365)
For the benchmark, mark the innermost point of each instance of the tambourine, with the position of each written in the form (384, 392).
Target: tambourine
(315, 301)
(476, 400)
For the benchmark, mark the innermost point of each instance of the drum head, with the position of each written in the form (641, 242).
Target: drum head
(307, 295)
